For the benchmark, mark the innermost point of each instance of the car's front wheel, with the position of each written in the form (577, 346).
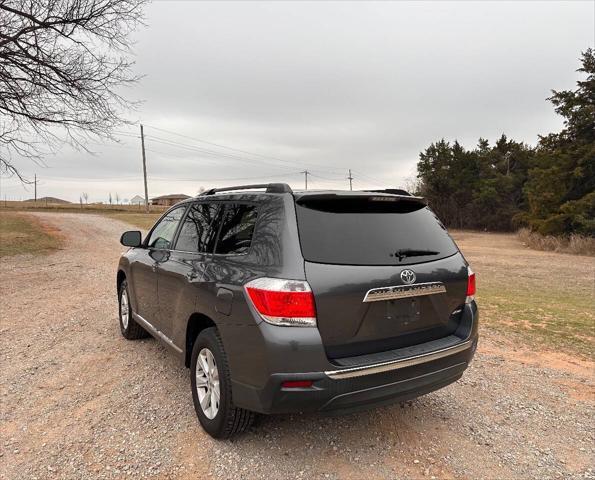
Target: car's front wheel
(211, 388)
(128, 326)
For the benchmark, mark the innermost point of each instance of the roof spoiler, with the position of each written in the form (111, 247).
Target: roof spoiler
(269, 188)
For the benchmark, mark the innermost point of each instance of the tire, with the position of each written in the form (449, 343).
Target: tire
(227, 420)
(128, 326)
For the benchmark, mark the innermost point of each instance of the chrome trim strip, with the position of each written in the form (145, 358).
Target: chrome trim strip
(159, 333)
(397, 364)
(404, 291)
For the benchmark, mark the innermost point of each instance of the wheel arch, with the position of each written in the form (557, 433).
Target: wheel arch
(196, 324)
(120, 277)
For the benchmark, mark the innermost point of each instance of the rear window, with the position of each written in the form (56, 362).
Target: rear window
(366, 230)
(237, 228)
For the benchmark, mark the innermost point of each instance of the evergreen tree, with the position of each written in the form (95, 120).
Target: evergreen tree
(560, 188)
(550, 188)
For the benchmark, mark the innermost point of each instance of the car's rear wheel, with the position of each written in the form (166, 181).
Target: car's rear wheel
(211, 388)
(128, 326)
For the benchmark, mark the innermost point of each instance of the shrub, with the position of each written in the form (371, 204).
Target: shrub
(575, 244)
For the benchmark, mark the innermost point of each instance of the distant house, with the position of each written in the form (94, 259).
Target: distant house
(137, 200)
(168, 200)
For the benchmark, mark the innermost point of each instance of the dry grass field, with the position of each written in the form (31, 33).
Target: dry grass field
(21, 233)
(132, 214)
(540, 297)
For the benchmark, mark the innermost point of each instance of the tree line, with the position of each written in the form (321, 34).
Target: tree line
(549, 188)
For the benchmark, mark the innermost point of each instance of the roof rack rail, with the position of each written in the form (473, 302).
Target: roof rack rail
(270, 188)
(392, 191)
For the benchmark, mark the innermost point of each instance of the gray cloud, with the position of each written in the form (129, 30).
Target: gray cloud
(327, 86)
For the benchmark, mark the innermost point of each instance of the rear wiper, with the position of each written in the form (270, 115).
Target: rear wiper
(408, 252)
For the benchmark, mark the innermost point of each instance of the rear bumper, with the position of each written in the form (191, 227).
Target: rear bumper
(385, 378)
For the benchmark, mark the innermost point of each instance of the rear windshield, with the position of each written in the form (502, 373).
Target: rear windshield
(370, 231)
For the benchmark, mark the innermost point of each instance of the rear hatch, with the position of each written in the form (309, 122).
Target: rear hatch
(384, 272)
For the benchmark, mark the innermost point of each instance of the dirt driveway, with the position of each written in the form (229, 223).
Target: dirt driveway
(79, 401)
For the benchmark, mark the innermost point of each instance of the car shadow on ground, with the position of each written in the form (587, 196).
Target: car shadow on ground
(375, 420)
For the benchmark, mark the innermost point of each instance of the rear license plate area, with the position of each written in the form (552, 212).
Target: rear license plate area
(404, 312)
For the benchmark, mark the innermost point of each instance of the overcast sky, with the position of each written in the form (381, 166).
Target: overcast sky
(326, 87)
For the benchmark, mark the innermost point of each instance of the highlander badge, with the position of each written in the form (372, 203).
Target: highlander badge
(404, 291)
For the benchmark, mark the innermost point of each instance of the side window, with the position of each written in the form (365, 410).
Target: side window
(196, 234)
(237, 227)
(163, 233)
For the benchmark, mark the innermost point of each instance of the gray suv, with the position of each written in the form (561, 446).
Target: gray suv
(289, 301)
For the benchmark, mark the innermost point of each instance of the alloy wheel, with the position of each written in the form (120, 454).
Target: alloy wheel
(207, 383)
(124, 310)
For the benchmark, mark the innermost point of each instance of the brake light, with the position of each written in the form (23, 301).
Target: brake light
(283, 302)
(470, 285)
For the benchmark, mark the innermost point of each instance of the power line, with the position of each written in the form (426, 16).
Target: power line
(87, 179)
(293, 162)
(126, 134)
(231, 156)
(285, 175)
(183, 155)
(194, 148)
(369, 178)
(48, 180)
(336, 179)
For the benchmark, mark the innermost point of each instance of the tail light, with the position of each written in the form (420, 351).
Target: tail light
(288, 303)
(470, 286)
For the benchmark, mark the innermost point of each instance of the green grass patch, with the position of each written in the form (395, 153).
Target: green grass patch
(21, 234)
(560, 319)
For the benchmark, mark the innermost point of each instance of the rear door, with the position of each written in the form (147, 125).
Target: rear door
(183, 271)
(226, 271)
(384, 272)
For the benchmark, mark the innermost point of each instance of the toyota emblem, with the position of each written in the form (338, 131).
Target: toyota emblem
(408, 276)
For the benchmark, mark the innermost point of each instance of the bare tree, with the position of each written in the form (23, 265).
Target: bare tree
(413, 185)
(86, 197)
(110, 198)
(117, 199)
(61, 64)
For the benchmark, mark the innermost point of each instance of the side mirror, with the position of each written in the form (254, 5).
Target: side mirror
(132, 238)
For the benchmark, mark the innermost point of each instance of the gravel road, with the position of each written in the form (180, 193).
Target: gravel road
(79, 401)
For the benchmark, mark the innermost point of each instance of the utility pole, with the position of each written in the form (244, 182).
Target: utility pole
(142, 141)
(35, 182)
(350, 177)
(306, 173)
